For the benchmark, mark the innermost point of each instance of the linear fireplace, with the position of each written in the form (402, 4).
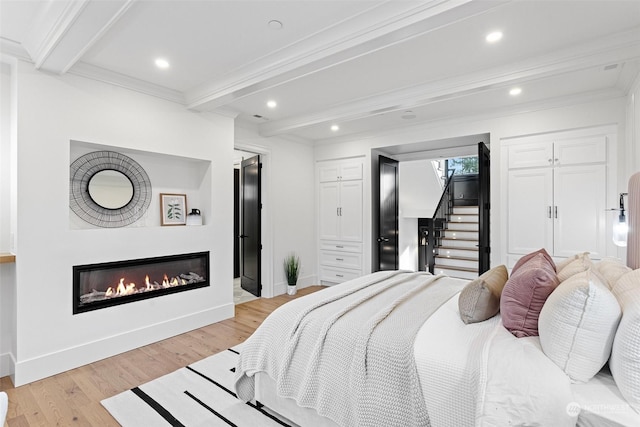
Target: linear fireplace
(107, 284)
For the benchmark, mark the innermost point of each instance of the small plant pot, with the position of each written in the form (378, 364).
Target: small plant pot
(292, 289)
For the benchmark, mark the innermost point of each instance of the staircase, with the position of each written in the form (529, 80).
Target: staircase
(457, 252)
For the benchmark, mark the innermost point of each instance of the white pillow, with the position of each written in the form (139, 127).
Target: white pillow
(562, 264)
(625, 354)
(577, 325)
(578, 265)
(611, 269)
(625, 284)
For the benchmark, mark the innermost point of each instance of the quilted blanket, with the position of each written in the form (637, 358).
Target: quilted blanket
(347, 351)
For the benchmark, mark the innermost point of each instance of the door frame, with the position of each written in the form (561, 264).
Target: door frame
(381, 160)
(266, 259)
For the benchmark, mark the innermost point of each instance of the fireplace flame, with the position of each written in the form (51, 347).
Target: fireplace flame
(123, 289)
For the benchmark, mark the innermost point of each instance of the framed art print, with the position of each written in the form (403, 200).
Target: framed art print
(173, 209)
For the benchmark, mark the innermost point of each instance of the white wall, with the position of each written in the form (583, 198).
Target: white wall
(418, 196)
(52, 110)
(7, 271)
(288, 215)
(598, 112)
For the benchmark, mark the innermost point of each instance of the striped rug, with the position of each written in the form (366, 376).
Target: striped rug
(200, 394)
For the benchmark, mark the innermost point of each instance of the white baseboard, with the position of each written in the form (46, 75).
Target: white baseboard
(7, 364)
(27, 371)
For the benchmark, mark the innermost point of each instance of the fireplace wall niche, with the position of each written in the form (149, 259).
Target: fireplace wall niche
(97, 286)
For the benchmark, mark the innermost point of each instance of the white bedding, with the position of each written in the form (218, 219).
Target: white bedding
(480, 374)
(602, 405)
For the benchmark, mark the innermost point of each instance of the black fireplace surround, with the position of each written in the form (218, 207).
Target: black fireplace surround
(104, 285)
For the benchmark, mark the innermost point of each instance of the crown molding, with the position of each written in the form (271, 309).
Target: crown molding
(89, 71)
(525, 108)
(49, 27)
(346, 40)
(13, 48)
(618, 48)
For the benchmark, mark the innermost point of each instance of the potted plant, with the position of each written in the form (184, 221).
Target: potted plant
(291, 271)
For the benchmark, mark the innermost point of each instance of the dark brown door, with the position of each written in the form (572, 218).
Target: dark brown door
(484, 208)
(388, 214)
(251, 245)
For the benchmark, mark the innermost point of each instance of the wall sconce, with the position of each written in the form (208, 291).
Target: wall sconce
(620, 227)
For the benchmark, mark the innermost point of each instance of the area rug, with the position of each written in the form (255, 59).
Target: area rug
(201, 394)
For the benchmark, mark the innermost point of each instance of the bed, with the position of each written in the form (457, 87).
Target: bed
(390, 348)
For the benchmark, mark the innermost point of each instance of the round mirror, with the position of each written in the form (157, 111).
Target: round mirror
(110, 189)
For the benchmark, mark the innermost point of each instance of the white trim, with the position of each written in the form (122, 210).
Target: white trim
(30, 370)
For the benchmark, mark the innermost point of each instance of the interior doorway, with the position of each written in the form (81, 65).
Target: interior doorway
(247, 240)
(419, 197)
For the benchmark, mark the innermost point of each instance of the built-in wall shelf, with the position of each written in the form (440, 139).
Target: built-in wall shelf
(167, 174)
(6, 257)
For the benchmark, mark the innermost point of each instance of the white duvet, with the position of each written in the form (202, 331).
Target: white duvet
(481, 375)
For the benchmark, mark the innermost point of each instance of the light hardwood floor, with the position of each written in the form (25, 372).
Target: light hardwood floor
(73, 398)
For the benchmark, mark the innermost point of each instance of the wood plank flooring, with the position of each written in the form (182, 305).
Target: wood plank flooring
(73, 398)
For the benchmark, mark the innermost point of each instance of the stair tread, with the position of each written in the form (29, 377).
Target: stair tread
(461, 258)
(462, 240)
(451, 267)
(458, 248)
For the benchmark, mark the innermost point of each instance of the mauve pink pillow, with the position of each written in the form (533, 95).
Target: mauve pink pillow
(527, 257)
(524, 295)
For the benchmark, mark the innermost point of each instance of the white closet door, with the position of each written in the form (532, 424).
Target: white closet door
(351, 211)
(579, 192)
(329, 210)
(536, 154)
(530, 207)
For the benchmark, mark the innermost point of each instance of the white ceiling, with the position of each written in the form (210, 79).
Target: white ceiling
(360, 64)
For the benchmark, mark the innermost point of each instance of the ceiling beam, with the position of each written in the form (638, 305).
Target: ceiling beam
(618, 48)
(63, 31)
(394, 22)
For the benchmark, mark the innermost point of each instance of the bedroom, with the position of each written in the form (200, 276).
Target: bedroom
(54, 109)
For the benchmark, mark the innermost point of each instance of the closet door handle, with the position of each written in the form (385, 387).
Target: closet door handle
(549, 211)
(556, 211)
(337, 211)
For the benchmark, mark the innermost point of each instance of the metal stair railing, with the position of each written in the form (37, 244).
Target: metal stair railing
(432, 229)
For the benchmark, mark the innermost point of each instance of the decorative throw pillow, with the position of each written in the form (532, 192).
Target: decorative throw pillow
(527, 257)
(576, 266)
(562, 264)
(524, 295)
(626, 284)
(624, 361)
(577, 325)
(612, 269)
(480, 298)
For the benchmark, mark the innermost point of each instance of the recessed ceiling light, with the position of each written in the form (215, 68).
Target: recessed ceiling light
(515, 91)
(335, 128)
(162, 63)
(494, 36)
(274, 24)
(272, 104)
